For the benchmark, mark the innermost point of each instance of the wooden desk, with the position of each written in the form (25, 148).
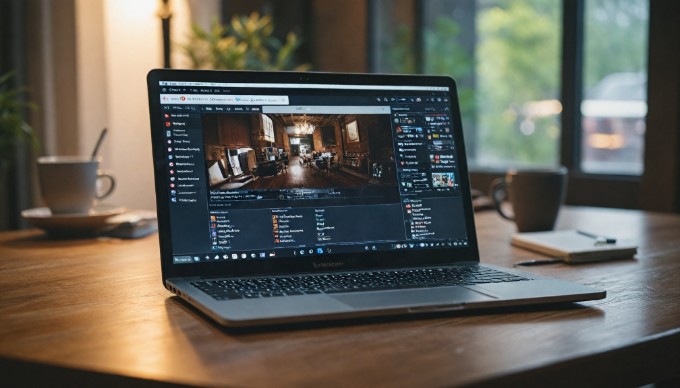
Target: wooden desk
(94, 312)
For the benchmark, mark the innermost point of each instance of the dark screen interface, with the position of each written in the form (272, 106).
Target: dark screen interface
(257, 171)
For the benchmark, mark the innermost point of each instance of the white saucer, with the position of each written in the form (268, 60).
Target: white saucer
(72, 224)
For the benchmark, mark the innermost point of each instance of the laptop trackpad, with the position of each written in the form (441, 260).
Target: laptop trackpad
(412, 297)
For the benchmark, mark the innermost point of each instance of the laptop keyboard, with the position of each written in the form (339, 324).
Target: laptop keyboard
(266, 287)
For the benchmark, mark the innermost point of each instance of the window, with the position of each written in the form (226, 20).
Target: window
(517, 67)
(398, 36)
(268, 127)
(541, 82)
(505, 56)
(614, 104)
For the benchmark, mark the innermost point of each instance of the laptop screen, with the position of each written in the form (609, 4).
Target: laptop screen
(255, 171)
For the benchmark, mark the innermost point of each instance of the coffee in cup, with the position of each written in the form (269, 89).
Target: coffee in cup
(535, 195)
(70, 184)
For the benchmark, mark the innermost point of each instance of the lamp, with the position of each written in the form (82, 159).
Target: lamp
(304, 127)
(165, 13)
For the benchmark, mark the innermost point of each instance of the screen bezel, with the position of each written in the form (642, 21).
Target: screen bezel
(307, 264)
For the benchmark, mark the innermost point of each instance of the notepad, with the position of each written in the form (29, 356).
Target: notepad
(573, 246)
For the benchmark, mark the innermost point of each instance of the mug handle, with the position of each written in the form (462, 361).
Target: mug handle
(112, 185)
(497, 194)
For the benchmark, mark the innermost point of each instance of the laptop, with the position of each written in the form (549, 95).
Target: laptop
(288, 197)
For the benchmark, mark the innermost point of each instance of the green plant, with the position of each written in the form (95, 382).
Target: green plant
(245, 44)
(13, 129)
(443, 54)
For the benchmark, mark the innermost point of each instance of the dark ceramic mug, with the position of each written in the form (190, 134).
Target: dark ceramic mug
(535, 195)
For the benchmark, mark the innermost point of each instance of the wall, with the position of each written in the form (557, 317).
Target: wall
(133, 45)
(355, 147)
(118, 42)
(339, 141)
(234, 131)
(339, 35)
(282, 139)
(91, 67)
(660, 187)
(318, 142)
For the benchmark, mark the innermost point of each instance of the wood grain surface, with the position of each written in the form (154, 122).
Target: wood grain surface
(93, 311)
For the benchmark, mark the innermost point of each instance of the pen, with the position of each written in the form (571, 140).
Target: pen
(539, 262)
(598, 239)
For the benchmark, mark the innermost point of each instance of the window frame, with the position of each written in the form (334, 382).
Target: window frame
(606, 190)
(268, 128)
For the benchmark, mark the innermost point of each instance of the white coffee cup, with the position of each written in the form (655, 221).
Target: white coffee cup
(70, 184)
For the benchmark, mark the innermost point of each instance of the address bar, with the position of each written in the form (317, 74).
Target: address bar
(221, 99)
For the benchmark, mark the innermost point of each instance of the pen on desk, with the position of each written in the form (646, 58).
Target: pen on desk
(539, 262)
(598, 239)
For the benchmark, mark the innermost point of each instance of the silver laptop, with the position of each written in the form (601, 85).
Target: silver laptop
(287, 197)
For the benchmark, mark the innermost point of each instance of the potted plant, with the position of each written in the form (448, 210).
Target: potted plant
(246, 43)
(13, 129)
(13, 132)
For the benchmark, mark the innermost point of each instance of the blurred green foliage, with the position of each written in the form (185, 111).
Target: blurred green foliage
(246, 43)
(13, 129)
(516, 65)
(518, 62)
(444, 55)
(616, 38)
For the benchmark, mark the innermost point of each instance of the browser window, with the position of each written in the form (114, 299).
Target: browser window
(256, 171)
